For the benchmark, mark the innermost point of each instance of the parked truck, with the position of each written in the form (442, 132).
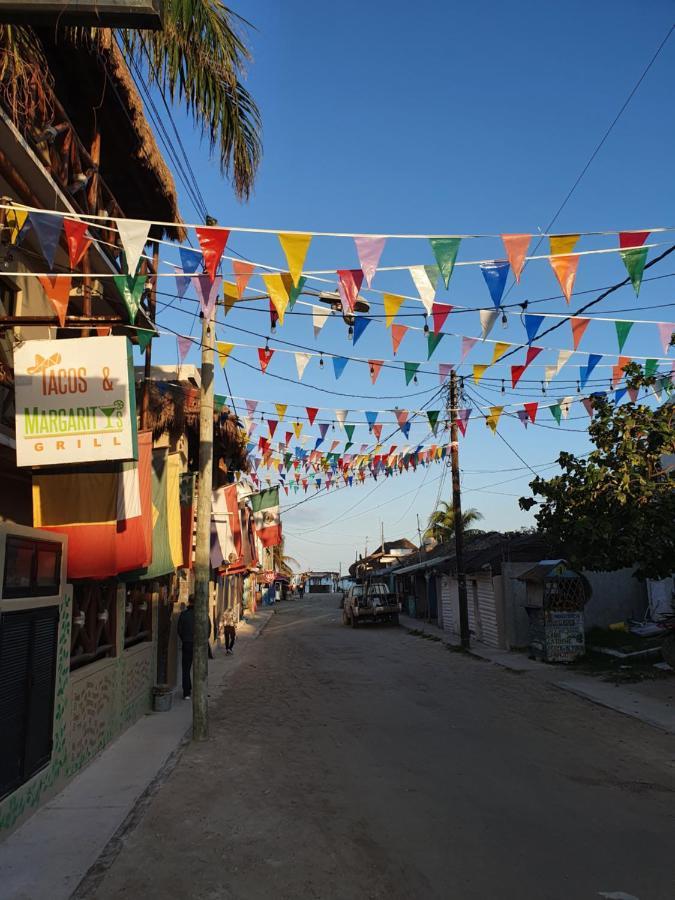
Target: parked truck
(370, 602)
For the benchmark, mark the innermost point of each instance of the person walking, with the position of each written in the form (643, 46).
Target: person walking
(230, 628)
(186, 632)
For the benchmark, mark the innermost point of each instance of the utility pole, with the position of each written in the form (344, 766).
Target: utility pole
(457, 510)
(382, 533)
(200, 709)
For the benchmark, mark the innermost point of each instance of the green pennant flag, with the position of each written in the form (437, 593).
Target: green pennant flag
(294, 291)
(433, 274)
(348, 444)
(349, 429)
(287, 460)
(622, 332)
(556, 412)
(131, 291)
(651, 365)
(144, 336)
(445, 251)
(433, 340)
(634, 260)
(432, 416)
(410, 371)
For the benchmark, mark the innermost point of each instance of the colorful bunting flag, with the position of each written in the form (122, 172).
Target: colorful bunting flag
(410, 371)
(392, 304)
(275, 287)
(432, 416)
(467, 345)
(425, 279)
(374, 365)
(369, 251)
(563, 262)
(532, 354)
(563, 357)
(478, 372)
(531, 410)
(488, 317)
(281, 410)
(184, 345)
(516, 246)
(397, 335)
(588, 405)
(319, 316)
(445, 251)
(339, 363)
(251, 406)
(15, 219)
(579, 326)
(401, 417)
(349, 431)
(444, 369)
(77, 239)
(323, 428)
(134, 236)
(301, 360)
(212, 242)
(57, 289)
(665, 330)
(585, 371)
(433, 340)
(549, 373)
(349, 285)
(463, 416)
(634, 255)
(516, 373)
(377, 431)
(340, 416)
(439, 313)
(47, 229)
(224, 349)
(495, 274)
(295, 247)
(622, 332)
(617, 371)
(556, 412)
(272, 425)
(360, 325)
(498, 351)
(242, 273)
(297, 428)
(264, 357)
(230, 296)
(371, 418)
(493, 419)
(651, 366)
(131, 290)
(207, 292)
(311, 413)
(532, 324)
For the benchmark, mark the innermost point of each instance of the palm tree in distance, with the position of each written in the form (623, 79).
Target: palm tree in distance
(282, 563)
(441, 525)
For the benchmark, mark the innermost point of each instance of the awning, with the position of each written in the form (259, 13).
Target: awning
(424, 564)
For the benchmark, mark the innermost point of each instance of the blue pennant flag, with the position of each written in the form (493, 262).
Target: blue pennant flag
(48, 231)
(495, 275)
(360, 325)
(190, 260)
(585, 371)
(532, 324)
(619, 394)
(339, 363)
(371, 418)
(405, 428)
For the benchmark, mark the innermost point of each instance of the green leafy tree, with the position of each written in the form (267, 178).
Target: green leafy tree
(441, 525)
(282, 563)
(616, 507)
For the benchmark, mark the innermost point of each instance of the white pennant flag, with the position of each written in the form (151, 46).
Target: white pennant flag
(549, 373)
(565, 406)
(319, 316)
(488, 317)
(134, 237)
(425, 288)
(563, 356)
(301, 360)
(304, 439)
(341, 415)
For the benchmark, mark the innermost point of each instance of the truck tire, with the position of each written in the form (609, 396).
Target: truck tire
(394, 619)
(668, 649)
(354, 621)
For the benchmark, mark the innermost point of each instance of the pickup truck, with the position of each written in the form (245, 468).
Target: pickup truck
(370, 603)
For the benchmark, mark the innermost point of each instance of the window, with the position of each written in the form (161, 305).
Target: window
(28, 641)
(8, 292)
(138, 614)
(92, 633)
(32, 568)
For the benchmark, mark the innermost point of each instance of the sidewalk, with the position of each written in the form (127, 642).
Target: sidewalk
(49, 855)
(657, 712)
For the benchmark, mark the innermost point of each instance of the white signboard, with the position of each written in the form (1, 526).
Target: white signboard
(74, 401)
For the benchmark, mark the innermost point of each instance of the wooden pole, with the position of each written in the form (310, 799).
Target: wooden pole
(152, 306)
(465, 637)
(200, 712)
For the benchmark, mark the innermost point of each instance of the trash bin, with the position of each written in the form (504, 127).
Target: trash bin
(555, 600)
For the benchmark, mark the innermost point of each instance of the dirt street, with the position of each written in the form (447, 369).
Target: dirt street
(372, 763)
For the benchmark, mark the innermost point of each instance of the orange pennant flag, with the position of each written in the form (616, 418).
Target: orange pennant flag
(397, 335)
(516, 246)
(579, 325)
(375, 366)
(563, 262)
(57, 290)
(242, 272)
(617, 371)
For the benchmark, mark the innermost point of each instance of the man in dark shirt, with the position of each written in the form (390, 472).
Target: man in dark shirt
(186, 632)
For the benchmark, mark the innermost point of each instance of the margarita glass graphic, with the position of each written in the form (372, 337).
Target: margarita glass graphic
(109, 412)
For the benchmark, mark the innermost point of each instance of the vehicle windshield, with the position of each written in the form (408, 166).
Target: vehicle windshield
(378, 589)
(357, 590)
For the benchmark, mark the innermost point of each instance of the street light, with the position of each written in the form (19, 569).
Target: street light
(333, 299)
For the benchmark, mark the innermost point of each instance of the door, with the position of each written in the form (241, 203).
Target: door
(28, 640)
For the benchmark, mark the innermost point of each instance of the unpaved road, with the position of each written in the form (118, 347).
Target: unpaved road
(371, 763)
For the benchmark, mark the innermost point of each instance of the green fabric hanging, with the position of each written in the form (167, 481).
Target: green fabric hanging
(634, 260)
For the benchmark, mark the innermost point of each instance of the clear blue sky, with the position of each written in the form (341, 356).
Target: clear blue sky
(443, 118)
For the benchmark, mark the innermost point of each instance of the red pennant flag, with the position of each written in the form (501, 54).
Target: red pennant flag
(264, 356)
(212, 242)
(633, 394)
(532, 353)
(349, 287)
(377, 430)
(103, 331)
(397, 335)
(617, 371)
(289, 435)
(311, 413)
(630, 239)
(78, 244)
(588, 405)
(286, 489)
(531, 410)
(516, 374)
(57, 290)
(579, 325)
(375, 366)
(440, 312)
(516, 246)
(272, 425)
(242, 273)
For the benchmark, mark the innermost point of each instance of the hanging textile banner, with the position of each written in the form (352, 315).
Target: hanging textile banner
(444, 369)
(295, 247)
(397, 335)
(319, 316)
(301, 360)
(532, 324)
(563, 262)
(58, 294)
(134, 237)
(492, 420)
(339, 363)
(264, 357)
(207, 291)
(281, 410)
(498, 351)
(622, 332)
(212, 242)
(445, 251)
(585, 371)
(349, 285)
(439, 313)
(478, 372)
(184, 345)
(634, 255)
(369, 251)
(495, 275)
(488, 317)
(360, 325)
(77, 239)
(274, 284)
(242, 274)
(375, 365)
(392, 304)
(516, 246)
(224, 349)
(579, 326)
(48, 231)
(410, 371)
(467, 344)
(665, 330)
(425, 279)
(433, 340)
(463, 416)
(131, 291)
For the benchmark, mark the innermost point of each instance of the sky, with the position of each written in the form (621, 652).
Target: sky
(439, 118)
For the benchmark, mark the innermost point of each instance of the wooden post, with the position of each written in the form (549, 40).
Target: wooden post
(465, 637)
(200, 712)
(152, 306)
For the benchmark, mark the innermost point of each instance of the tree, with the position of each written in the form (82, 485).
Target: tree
(197, 58)
(282, 563)
(616, 507)
(441, 525)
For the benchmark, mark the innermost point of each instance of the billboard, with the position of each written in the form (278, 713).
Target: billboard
(74, 401)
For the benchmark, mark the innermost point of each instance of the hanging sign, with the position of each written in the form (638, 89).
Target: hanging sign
(75, 401)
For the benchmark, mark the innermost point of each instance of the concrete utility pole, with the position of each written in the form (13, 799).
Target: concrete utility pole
(200, 708)
(457, 509)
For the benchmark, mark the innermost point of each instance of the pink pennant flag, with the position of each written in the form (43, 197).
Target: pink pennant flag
(467, 344)
(184, 344)
(401, 417)
(665, 334)
(444, 369)
(349, 285)
(440, 312)
(377, 430)
(242, 272)
(369, 250)
(207, 291)
(516, 250)
(463, 420)
(251, 406)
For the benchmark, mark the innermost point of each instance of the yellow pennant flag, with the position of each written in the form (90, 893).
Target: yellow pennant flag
(224, 351)
(230, 296)
(392, 304)
(295, 247)
(493, 418)
(278, 293)
(563, 263)
(478, 372)
(15, 220)
(281, 410)
(562, 243)
(297, 428)
(499, 350)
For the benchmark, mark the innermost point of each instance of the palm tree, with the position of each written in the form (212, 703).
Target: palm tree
(282, 563)
(441, 525)
(197, 58)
